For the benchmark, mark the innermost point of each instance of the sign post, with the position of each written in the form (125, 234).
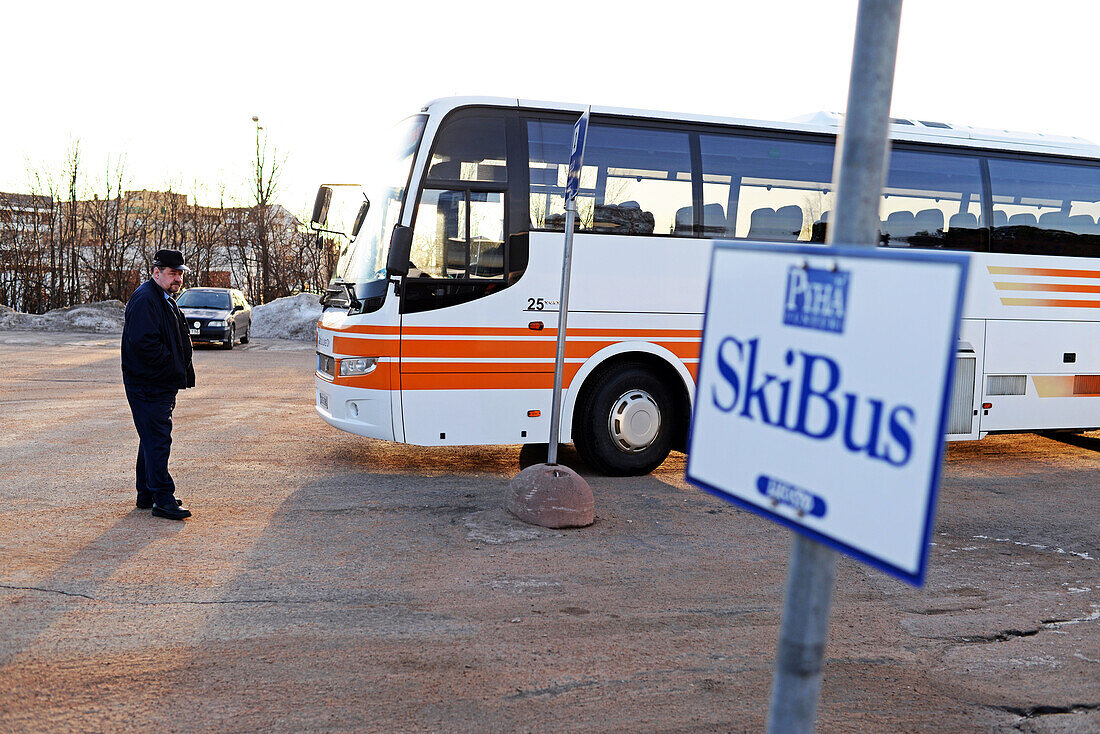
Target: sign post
(572, 186)
(808, 352)
(862, 155)
(551, 494)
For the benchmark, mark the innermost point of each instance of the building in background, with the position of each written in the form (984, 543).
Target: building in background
(59, 253)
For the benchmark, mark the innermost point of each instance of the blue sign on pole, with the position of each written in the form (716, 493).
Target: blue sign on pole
(576, 156)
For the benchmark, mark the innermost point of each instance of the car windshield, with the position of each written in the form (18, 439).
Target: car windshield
(203, 299)
(364, 259)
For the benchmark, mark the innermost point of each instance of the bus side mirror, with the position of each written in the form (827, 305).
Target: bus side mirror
(321, 204)
(397, 263)
(363, 209)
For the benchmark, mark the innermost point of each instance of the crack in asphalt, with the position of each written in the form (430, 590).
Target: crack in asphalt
(1011, 634)
(1001, 636)
(1056, 623)
(160, 603)
(550, 690)
(50, 591)
(1030, 712)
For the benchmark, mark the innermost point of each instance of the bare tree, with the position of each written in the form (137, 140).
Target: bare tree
(265, 179)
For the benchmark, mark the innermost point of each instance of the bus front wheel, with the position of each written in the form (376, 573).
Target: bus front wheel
(625, 422)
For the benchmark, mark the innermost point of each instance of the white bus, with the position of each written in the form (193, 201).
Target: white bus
(439, 326)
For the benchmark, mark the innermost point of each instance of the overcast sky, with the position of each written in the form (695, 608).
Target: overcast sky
(170, 88)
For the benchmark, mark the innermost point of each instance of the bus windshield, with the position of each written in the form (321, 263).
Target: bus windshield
(364, 259)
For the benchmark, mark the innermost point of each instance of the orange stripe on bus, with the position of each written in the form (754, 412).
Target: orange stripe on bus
(1051, 272)
(408, 366)
(484, 348)
(1050, 302)
(489, 331)
(486, 381)
(1049, 287)
(549, 331)
(493, 349)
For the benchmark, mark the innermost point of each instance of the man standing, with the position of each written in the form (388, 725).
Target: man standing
(156, 364)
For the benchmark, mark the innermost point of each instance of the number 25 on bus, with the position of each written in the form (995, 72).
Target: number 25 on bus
(438, 325)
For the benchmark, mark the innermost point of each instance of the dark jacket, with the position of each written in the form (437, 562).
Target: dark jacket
(156, 346)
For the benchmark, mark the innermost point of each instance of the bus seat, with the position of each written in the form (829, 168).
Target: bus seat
(1026, 219)
(819, 228)
(714, 219)
(900, 226)
(682, 225)
(788, 222)
(1054, 220)
(929, 221)
(965, 220)
(761, 224)
(1081, 224)
(1000, 219)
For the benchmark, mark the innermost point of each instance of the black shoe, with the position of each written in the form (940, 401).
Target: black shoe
(144, 503)
(171, 513)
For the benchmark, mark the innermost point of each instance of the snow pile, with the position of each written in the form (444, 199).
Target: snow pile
(104, 317)
(293, 317)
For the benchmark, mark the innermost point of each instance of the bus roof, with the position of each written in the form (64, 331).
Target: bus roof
(820, 122)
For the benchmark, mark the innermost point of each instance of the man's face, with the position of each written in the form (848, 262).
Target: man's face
(169, 279)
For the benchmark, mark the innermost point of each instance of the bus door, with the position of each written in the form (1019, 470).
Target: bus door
(466, 342)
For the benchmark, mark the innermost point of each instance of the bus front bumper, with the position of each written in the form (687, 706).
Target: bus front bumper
(355, 410)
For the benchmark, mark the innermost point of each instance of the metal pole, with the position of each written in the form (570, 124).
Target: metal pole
(802, 636)
(861, 159)
(563, 314)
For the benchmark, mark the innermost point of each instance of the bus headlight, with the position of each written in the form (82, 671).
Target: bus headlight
(357, 366)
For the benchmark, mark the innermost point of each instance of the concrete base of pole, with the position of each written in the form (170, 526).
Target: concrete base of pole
(552, 496)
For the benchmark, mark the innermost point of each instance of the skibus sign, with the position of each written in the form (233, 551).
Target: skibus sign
(576, 155)
(823, 389)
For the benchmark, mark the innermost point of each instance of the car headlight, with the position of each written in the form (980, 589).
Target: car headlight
(216, 323)
(356, 366)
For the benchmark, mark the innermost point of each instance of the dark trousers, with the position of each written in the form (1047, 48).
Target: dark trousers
(152, 409)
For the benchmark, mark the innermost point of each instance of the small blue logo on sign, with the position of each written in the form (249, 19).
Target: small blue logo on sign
(801, 500)
(816, 299)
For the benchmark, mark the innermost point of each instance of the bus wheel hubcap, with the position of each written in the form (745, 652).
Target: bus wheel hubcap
(634, 421)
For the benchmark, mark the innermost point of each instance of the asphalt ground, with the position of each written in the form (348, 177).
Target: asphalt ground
(332, 583)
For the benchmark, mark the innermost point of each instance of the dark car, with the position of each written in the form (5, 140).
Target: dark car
(216, 315)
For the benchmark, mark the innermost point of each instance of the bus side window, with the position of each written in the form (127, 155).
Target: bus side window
(1045, 208)
(459, 234)
(932, 200)
(635, 180)
(765, 188)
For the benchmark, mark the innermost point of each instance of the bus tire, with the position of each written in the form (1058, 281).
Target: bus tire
(625, 422)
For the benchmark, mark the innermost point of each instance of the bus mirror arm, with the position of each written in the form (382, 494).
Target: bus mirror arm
(397, 261)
